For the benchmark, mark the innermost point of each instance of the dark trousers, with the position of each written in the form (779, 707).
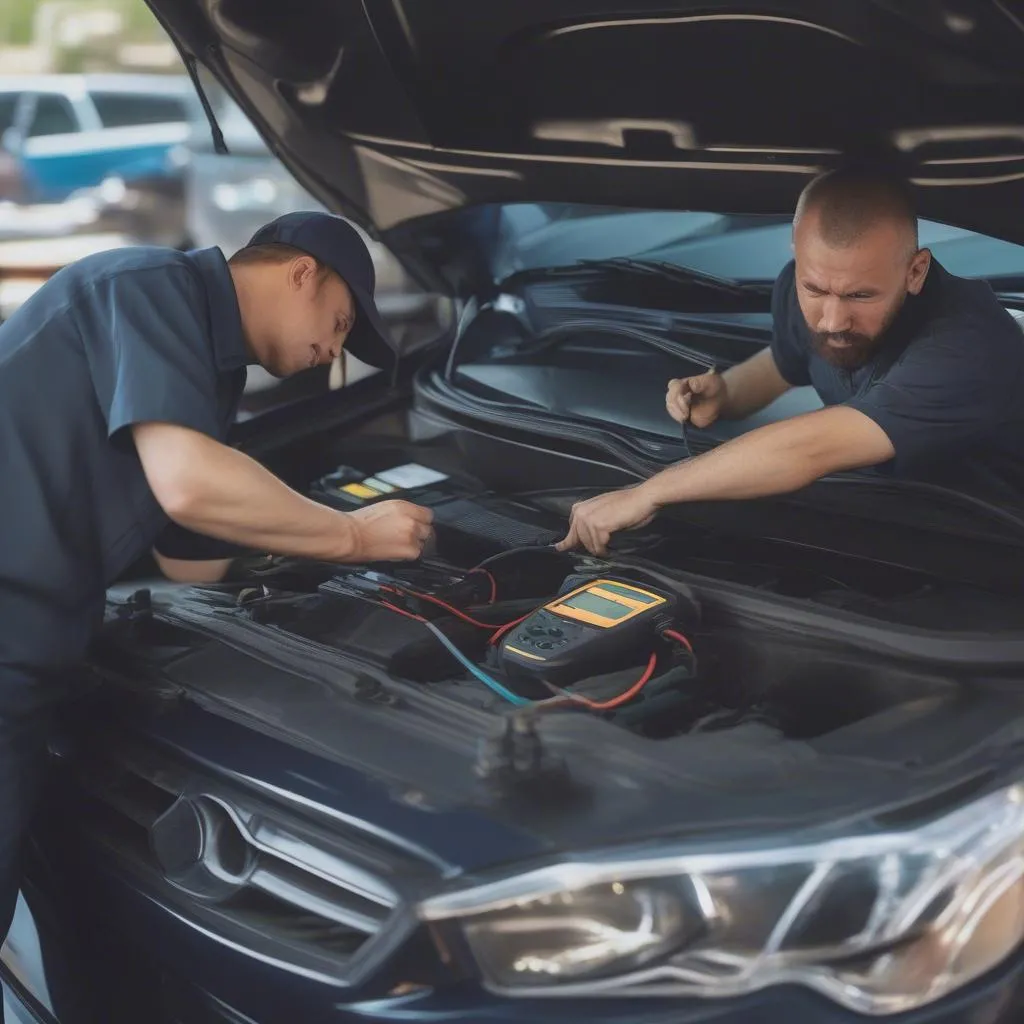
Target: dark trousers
(23, 737)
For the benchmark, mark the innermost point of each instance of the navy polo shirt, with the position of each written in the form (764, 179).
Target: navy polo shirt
(946, 387)
(129, 336)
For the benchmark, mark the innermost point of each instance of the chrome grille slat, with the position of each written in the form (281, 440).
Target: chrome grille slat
(339, 872)
(279, 881)
(292, 892)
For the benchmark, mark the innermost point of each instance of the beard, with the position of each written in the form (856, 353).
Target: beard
(857, 349)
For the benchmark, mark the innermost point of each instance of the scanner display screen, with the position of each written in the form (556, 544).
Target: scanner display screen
(587, 601)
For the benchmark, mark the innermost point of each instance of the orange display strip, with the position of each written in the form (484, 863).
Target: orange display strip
(592, 618)
(608, 595)
(616, 596)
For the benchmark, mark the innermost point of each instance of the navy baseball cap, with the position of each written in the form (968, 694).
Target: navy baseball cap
(336, 243)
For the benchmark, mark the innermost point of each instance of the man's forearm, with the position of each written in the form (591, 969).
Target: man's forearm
(215, 490)
(776, 459)
(751, 385)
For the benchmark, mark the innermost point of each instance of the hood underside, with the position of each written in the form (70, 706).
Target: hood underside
(390, 111)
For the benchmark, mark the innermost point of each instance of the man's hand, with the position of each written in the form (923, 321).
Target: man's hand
(391, 531)
(774, 459)
(696, 400)
(737, 393)
(215, 490)
(592, 522)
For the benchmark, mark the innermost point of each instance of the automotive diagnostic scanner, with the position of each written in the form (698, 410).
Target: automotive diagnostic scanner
(595, 628)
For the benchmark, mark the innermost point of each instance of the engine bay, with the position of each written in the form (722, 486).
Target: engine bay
(494, 617)
(476, 633)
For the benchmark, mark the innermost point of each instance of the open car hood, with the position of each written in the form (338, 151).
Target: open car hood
(391, 111)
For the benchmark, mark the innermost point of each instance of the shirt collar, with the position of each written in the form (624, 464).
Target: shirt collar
(225, 318)
(916, 308)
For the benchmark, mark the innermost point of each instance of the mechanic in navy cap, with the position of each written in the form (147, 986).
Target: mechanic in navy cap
(119, 380)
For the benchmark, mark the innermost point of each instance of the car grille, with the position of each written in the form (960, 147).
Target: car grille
(247, 870)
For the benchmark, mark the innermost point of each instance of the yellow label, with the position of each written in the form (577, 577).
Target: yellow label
(524, 654)
(361, 491)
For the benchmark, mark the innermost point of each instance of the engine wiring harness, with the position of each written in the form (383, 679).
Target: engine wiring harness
(407, 601)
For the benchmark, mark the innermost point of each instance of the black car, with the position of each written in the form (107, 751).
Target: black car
(762, 763)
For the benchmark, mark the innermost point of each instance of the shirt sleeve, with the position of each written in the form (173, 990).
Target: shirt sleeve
(178, 542)
(149, 350)
(941, 398)
(790, 354)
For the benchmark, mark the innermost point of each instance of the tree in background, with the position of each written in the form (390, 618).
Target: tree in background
(82, 35)
(16, 20)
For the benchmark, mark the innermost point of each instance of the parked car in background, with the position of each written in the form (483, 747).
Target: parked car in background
(11, 178)
(72, 131)
(228, 196)
(146, 206)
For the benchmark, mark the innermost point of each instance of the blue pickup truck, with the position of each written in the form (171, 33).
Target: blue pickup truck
(71, 131)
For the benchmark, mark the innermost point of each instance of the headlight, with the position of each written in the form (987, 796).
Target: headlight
(578, 934)
(112, 190)
(178, 157)
(881, 923)
(254, 194)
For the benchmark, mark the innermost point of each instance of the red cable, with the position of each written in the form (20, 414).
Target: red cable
(501, 631)
(607, 705)
(402, 611)
(494, 584)
(679, 638)
(451, 609)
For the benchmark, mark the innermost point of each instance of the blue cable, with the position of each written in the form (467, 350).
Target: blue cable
(492, 684)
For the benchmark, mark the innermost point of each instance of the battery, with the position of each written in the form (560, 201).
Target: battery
(348, 488)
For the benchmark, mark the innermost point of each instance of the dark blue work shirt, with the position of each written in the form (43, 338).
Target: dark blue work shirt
(129, 336)
(947, 386)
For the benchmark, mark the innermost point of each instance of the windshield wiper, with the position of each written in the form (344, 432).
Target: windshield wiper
(672, 272)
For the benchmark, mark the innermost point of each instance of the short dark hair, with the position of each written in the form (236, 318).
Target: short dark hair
(851, 200)
(273, 252)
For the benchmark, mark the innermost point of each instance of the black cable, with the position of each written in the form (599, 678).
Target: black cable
(521, 550)
(900, 488)
(686, 439)
(713, 368)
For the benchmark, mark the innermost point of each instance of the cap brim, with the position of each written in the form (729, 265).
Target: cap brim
(369, 340)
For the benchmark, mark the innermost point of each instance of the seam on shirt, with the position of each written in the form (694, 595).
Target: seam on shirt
(91, 285)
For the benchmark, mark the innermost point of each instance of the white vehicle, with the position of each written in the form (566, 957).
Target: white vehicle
(72, 131)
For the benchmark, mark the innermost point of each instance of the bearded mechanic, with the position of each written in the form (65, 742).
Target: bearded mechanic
(119, 380)
(920, 372)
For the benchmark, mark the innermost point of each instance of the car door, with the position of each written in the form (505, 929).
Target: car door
(10, 167)
(9, 102)
(50, 130)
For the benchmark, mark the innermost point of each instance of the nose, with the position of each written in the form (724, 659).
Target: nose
(834, 316)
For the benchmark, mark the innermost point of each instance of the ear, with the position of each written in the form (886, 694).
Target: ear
(918, 271)
(302, 272)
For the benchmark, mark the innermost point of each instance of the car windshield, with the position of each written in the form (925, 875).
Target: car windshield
(623, 393)
(531, 236)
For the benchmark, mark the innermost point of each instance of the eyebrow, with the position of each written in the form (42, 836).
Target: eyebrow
(812, 287)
